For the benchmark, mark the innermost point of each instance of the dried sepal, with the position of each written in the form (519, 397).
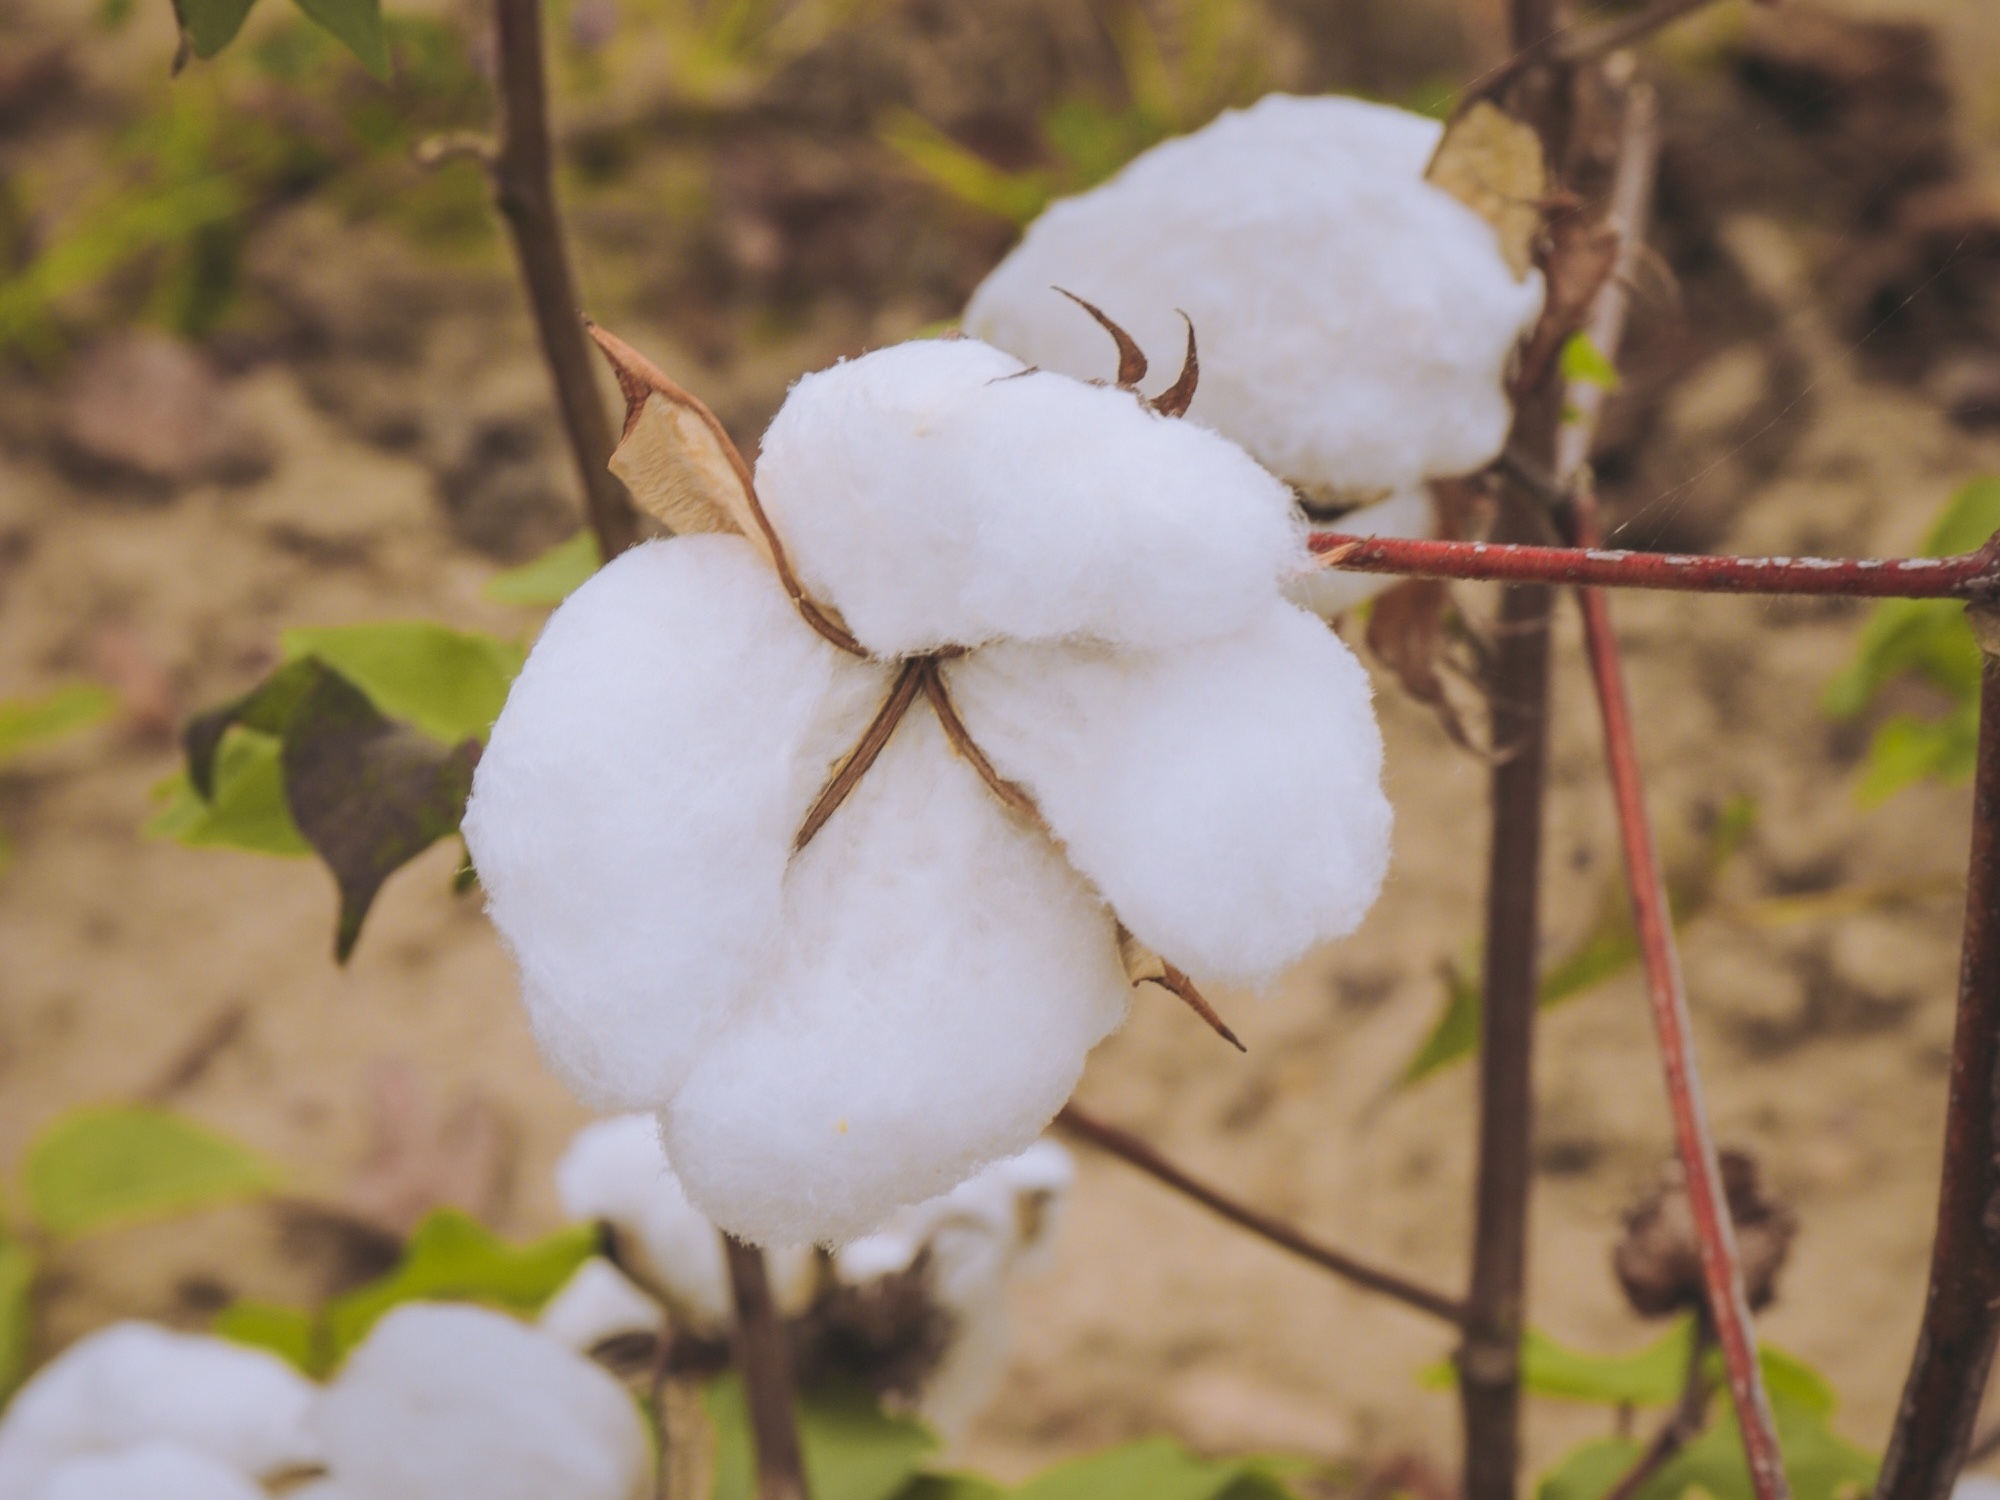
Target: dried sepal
(847, 775)
(1492, 163)
(1176, 398)
(1131, 358)
(1144, 966)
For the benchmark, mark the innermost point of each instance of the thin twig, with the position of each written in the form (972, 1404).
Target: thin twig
(1681, 1427)
(1129, 1149)
(767, 1375)
(1574, 48)
(1727, 1306)
(522, 175)
(1955, 1343)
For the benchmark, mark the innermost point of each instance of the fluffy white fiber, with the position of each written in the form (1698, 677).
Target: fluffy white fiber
(829, 1035)
(1355, 322)
(445, 1402)
(597, 1303)
(133, 1384)
(151, 1471)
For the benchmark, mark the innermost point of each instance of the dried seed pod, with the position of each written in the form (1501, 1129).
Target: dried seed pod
(1658, 1262)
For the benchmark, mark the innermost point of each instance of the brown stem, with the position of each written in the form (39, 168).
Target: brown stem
(1962, 1311)
(524, 191)
(1129, 1149)
(766, 1366)
(1176, 982)
(1681, 1428)
(1572, 48)
(873, 741)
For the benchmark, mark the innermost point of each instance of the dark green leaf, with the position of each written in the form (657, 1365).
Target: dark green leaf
(853, 1449)
(211, 25)
(104, 1166)
(292, 1334)
(550, 578)
(1156, 1469)
(453, 1257)
(268, 708)
(17, 1284)
(357, 24)
(1589, 1471)
(448, 683)
(27, 722)
(248, 810)
(950, 1487)
(1652, 1376)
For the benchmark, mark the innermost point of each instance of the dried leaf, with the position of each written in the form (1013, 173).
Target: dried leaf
(1406, 632)
(1576, 260)
(1492, 163)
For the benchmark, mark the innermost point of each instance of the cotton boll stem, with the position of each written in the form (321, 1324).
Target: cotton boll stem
(762, 1356)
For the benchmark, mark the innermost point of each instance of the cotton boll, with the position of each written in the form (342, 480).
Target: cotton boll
(135, 1383)
(151, 1471)
(942, 975)
(441, 1402)
(1224, 797)
(1355, 321)
(633, 813)
(935, 494)
(1333, 591)
(598, 1303)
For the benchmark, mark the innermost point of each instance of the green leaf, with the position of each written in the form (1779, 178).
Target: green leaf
(357, 24)
(853, 1449)
(1589, 1471)
(1907, 749)
(1820, 1463)
(211, 25)
(105, 1166)
(1653, 1376)
(1969, 518)
(27, 722)
(248, 810)
(448, 683)
(1156, 1469)
(1581, 360)
(17, 1284)
(550, 578)
(453, 1257)
(1015, 196)
(295, 1336)
(950, 1487)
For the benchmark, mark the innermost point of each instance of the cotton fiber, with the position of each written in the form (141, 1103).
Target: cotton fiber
(937, 493)
(150, 1471)
(1332, 591)
(599, 1303)
(442, 1402)
(136, 1383)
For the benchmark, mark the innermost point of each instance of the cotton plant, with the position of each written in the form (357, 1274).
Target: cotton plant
(835, 829)
(1357, 318)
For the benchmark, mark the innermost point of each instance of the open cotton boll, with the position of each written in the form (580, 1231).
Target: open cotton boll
(1355, 321)
(135, 1383)
(598, 1302)
(443, 1402)
(151, 1471)
(617, 1170)
(1332, 591)
(1224, 797)
(633, 813)
(936, 495)
(942, 975)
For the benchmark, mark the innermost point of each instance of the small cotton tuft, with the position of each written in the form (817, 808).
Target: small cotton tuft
(442, 1402)
(151, 1471)
(598, 1303)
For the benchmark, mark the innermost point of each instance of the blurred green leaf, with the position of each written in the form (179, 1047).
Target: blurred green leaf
(96, 1167)
(1820, 1463)
(550, 578)
(1157, 1469)
(950, 1487)
(17, 1284)
(1014, 196)
(853, 1449)
(1581, 360)
(453, 1257)
(357, 24)
(1907, 749)
(1590, 1471)
(30, 721)
(448, 683)
(248, 811)
(211, 25)
(1652, 1376)
(292, 1334)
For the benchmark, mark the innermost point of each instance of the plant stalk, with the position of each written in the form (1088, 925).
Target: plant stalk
(1961, 1320)
(766, 1367)
(522, 174)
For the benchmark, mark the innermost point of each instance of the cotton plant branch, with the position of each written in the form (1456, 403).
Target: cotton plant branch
(1572, 48)
(1134, 1152)
(1682, 1426)
(767, 1375)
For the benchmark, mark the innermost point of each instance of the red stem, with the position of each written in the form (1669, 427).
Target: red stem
(1970, 575)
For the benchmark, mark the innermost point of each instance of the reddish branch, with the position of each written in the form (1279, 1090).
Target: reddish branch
(1129, 1149)
(1955, 1343)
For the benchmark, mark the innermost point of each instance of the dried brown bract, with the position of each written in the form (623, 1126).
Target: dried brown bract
(1658, 1262)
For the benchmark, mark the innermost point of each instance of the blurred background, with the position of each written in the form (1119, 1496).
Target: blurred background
(260, 370)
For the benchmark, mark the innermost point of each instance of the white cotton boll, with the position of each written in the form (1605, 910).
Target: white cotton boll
(617, 1170)
(443, 1402)
(597, 1303)
(943, 975)
(633, 813)
(1355, 321)
(1333, 591)
(935, 495)
(150, 1471)
(136, 1383)
(1224, 797)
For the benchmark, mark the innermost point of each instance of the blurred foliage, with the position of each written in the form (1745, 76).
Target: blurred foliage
(1174, 77)
(17, 1284)
(98, 1167)
(853, 1449)
(718, 53)
(30, 722)
(550, 578)
(1607, 949)
(1925, 640)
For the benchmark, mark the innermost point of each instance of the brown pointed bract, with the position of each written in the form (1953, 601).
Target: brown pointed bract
(1131, 358)
(1176, 398)
(1144, 966)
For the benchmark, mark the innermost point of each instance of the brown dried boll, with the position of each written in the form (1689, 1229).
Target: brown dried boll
(1658, 1262)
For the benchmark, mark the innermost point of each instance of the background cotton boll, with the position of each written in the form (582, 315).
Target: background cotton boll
(151, 1471)
(597, 1303)
(942, 976)
(1355, 321)
(1327, 592)
(633, 813)
(445, 1402)
(616, 1170)
(935, 495)
(136, 1383)
(1224, 797)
